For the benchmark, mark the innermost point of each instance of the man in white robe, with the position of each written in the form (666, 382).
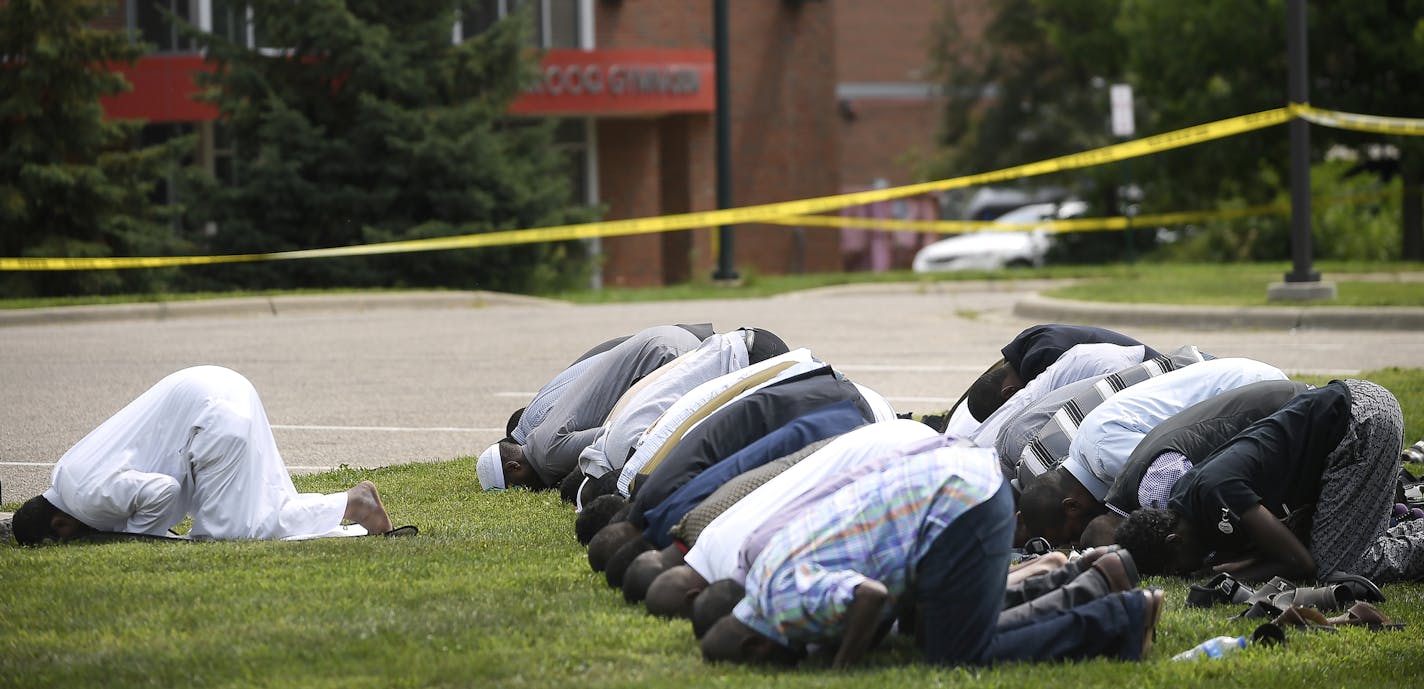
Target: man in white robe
(196, 444)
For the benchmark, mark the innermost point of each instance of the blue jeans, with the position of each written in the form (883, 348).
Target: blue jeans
(960, 591)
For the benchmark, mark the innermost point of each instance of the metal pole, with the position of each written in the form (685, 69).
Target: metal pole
(1297, 87)
(725, 249)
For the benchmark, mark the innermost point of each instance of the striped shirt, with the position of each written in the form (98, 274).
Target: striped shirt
(878, 528)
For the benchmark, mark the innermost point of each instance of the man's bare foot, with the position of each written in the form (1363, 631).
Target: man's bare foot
(363, 506)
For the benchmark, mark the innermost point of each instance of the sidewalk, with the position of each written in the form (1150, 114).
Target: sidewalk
(267, 306)
(1031, 307)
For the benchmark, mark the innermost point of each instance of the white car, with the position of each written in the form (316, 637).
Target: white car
(996, 249)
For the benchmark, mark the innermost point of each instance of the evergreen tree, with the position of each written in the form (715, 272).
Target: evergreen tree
(71, 183)
(360, 121)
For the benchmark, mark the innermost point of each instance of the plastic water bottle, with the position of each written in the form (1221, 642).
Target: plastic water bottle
(1213, 648)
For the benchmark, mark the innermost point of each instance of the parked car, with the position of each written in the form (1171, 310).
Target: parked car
(996, 249)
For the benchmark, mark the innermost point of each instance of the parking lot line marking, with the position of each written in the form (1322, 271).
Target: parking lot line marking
(289, 466)
(385, 429)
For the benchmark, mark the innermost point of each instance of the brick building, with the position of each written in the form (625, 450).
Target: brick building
(826, 96)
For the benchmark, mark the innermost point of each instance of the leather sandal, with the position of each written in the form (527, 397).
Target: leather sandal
(1222, 589)
(1365, 615)
(1307, 619)
(1270, 589)
(1362, 588)
(1330, 597)
(1154, 600)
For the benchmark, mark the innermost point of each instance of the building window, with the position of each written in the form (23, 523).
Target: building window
(557, 23)
(231, 19)
(148, 18)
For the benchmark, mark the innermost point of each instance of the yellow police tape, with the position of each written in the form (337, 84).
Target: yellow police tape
(1120, 222)
(1362, 123)
(1072, 225)
(764, 213)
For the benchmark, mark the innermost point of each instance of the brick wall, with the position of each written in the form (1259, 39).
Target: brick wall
(629, 186)
(886, 43)
(784, 130)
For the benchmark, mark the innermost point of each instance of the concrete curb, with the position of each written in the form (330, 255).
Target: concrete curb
(1045, 309)
(267, 306)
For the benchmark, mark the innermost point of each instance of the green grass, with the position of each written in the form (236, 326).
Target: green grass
(496, 592)
(1244, 285)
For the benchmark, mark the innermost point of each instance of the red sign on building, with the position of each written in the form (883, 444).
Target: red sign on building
(163, 91)
(612, 82)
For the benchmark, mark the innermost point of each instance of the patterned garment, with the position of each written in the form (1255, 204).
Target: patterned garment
(1156, 487)
(544, 400)
(1050, 446)
(1357, 491)
(875, 528)
(691, 525)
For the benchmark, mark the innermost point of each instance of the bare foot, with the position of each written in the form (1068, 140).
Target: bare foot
(363, 506)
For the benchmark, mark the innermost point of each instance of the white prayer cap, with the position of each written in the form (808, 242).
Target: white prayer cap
(490, 469)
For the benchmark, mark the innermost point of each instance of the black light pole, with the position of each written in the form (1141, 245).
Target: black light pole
(1302, 283)
(1297, 90)
(726, 271)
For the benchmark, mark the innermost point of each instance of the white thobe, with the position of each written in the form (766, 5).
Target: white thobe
(715, 555)
(197, 443)
(1108, 434)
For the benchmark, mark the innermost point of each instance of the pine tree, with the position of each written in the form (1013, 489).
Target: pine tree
(361, 121)
(71, 183)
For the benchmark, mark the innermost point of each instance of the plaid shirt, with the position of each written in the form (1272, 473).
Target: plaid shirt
(1156, 487)
(875, 528)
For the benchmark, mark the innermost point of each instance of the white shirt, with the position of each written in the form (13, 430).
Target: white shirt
(1079, 362)
(1110, 433)
(715, 555)
(962, 424)
(197, 443)
(642, 405)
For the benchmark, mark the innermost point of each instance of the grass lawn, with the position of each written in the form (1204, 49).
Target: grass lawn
(1245, 285)
(497, 592)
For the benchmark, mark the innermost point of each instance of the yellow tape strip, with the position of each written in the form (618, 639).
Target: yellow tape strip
(1053, 226)
(731, 216)
(1063, 226)
(1362, 123)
